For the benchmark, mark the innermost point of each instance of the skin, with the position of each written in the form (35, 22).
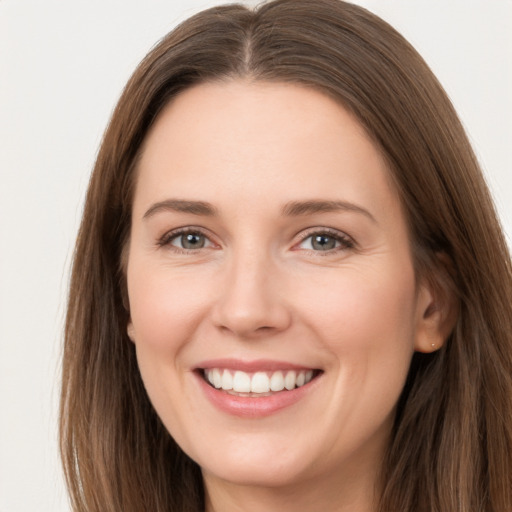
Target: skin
(259, 289)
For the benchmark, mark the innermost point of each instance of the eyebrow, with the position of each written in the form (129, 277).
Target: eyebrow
(178, 205)
(290, 209)
(297, 208)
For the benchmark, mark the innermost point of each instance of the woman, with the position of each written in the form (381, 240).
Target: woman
(290, 288)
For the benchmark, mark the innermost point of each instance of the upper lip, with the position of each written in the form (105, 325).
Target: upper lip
(252, 366)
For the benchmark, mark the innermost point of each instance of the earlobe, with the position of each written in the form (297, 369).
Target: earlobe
(131, 331)
(436, 316)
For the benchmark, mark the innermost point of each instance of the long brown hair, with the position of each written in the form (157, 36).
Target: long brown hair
(451, 448)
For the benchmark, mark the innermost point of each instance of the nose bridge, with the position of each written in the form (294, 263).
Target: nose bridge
(250, 301)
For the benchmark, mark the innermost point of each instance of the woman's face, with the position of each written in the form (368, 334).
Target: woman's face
(269, 255)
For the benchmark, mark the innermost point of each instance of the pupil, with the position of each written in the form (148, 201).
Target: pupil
(323, 242)
(192, 241)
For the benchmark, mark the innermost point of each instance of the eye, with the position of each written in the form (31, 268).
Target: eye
(186, 239)
(189, 241)
(325, 241)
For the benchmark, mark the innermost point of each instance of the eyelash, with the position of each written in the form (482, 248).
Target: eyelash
(167, 239)
(345, 242)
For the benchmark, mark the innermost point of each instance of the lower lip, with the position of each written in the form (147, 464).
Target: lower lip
(254, 407)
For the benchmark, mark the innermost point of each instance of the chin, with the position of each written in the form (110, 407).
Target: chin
(255, 473)
(253, 459)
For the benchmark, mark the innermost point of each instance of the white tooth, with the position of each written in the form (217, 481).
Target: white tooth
(260, 383)
(241, 382)
(217, 378)
(277, 381)
(209, 376)
(227, 380)
(301, 379)
(289, 380)
(309, 375)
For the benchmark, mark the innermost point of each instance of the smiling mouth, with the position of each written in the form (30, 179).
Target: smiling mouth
(257, 384)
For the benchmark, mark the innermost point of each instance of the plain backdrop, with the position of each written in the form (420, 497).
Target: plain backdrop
(62, 67)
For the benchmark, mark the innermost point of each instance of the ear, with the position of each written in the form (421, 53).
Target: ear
(131, 331)
(436, 315)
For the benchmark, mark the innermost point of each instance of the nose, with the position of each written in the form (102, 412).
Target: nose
(252, 300)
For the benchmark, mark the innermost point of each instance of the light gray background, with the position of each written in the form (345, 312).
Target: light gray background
(62, 67)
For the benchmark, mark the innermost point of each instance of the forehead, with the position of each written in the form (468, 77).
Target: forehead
(267, 140)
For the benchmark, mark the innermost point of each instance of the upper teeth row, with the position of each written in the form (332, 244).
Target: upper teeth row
(259, 382)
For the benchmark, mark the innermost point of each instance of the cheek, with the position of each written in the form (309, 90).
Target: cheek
(358, 314)
(165, 306)
(367, 324)
(165, 310)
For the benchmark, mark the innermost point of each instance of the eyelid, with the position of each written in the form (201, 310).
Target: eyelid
(166, 239)
(346, 241)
